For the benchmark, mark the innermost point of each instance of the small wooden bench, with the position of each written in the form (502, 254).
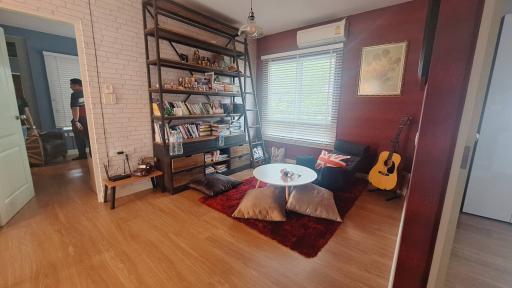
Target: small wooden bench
(134, 179)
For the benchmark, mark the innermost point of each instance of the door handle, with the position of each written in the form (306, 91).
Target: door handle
(17, 117)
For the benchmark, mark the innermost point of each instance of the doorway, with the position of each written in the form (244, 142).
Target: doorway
(469, 246)
(43, 58)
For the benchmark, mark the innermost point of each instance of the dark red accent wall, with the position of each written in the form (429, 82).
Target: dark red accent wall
(370, 120)
(452, 59)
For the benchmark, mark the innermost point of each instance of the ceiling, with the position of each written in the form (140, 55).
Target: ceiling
(281, 15)
(27, 21)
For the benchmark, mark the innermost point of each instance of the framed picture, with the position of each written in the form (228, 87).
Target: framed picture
(382, 70)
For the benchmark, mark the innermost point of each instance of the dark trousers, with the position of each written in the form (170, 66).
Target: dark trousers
(82, 137)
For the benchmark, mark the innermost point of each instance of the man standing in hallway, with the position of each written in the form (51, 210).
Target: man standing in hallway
(79, 121)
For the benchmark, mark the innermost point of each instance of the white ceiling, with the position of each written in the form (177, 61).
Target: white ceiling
(27, 21)
(281, 15)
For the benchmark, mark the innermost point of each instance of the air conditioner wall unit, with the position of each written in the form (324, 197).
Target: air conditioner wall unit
(322, 35)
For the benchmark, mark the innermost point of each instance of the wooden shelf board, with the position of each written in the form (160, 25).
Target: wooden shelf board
(198, 139)
(169, 63)
(191, 117)
(194, 92)
(179, 38)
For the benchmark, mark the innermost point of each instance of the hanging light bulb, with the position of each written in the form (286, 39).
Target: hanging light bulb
(251, 29)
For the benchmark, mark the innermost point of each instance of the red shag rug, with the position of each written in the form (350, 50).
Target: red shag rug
(304, 234)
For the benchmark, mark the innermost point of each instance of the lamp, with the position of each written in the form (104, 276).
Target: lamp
(251, 29)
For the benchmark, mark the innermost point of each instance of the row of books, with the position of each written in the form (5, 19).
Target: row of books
(199, 129)
(188, 131)
(196, 108)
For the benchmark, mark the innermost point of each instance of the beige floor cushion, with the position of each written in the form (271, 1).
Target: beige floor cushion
(313, 200)
(267, 203)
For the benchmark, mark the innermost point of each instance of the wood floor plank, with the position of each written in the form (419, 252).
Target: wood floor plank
(65, 238)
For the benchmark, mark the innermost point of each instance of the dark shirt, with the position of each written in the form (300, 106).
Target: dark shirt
(77, 100)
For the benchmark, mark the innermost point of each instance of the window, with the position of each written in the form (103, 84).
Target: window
(301, 92)
(59, 69)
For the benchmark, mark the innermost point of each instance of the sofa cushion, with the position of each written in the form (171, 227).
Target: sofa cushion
(267, 204)
(327, 159)
(214, 184)
(313, 200)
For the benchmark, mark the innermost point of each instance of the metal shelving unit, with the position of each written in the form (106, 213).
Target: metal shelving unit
(153, 10)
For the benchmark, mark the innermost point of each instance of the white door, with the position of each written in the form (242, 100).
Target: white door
(489, 191)
(16, 187)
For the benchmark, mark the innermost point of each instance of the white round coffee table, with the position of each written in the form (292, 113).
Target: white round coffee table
(271, 174)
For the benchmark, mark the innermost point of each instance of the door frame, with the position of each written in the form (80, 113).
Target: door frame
(466, 138)
(88, 62)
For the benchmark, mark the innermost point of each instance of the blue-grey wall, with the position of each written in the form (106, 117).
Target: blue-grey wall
(36, 43)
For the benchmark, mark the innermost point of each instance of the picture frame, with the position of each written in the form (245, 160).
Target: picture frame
(382, 69)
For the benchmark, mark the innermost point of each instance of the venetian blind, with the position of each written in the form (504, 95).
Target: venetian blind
(300, 96)
(59, 69)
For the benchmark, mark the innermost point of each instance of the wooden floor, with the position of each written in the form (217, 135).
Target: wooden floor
(481, 255)
(65, 238)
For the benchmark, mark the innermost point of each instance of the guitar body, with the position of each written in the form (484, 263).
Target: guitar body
(384, 175)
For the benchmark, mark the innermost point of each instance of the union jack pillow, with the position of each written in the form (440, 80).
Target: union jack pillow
(327, 159)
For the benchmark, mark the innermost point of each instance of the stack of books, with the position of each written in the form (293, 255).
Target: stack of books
(209, 170)
(221, 168)
(215, 156)
(218, 129)
(205, 129)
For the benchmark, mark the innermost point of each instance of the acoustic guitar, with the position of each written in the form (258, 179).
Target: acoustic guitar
(384, 175)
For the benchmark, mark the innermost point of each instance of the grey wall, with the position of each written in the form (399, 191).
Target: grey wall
(36, 43)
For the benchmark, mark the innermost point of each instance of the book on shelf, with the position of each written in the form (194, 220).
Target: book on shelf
(209, 170)
(221, 168)
(158, 133)
(215, 156)
(219, 128)
(156, 110)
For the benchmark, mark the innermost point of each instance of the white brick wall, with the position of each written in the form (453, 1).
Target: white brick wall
(119, 43)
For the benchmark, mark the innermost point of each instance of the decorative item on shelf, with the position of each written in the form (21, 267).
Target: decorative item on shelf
(218, 87)
(169, 85)
(382, 69)
(169, 111)
(145, 167)
(217, 107)
(184, 57)
(196, 59)
(232, 68)
(218, 61)
(181, 83)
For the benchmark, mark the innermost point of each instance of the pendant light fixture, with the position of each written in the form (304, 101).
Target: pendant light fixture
(251, 29)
